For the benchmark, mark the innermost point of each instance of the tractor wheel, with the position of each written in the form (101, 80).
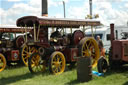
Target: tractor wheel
(57, 63)
(35, 63)
(88, 47)
(2, 62)
(26, 51)
(102, 65)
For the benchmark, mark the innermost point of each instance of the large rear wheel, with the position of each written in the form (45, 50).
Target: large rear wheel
(88, 47)
(26, 52)
(35, 63)
(2, 62)
(57, 63)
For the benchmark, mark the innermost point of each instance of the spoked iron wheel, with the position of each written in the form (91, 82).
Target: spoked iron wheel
(26, 52)
(57, 63)
(102, 65)
(2, 62)
(35, 63)
(88, 47)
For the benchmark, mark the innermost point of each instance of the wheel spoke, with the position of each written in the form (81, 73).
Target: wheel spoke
(90, 42)
(87, 46)
(26, 58)
(84, 52)
(93, 54)
(25, 52)
(31, 50)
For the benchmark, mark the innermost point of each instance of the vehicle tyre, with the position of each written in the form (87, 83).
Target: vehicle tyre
(26, 51)
(35, 64)
(102, 65)
(88, 47)
(57, 63)
(2, 62)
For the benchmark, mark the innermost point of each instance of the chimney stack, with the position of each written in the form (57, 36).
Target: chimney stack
(44, 8)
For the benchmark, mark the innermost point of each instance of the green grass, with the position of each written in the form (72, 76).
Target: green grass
(22, 76)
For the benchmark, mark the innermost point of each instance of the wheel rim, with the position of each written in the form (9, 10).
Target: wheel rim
(104, 66)
(57, 63)
(90, 49)
(2, 62)
(26, 52)
(36, 64)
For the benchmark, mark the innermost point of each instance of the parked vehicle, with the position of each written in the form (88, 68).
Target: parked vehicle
(10, 42)
(41, 52)
(118, 54)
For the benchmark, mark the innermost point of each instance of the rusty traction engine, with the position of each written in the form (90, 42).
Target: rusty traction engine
(118, 54)
(10, 46)
(59, 48)
(119, 50)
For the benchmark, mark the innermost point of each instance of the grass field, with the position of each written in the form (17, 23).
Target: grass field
(22, 76)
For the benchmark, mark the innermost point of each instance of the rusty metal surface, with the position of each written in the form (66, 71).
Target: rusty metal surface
(55, 22)
(120, 50)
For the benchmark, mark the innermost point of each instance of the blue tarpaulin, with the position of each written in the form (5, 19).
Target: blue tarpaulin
(97, 73)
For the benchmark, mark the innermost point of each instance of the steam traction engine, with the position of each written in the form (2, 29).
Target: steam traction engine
(61, 48)
(10, 46)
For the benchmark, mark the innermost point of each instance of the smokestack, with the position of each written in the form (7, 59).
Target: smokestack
(112, 32)
(90, 3)
(44, 8)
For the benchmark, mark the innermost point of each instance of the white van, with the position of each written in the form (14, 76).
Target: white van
(103, 31)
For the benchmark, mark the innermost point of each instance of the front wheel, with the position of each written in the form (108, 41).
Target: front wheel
(2, 62)
(26, 51)
(57, 63)
(102, 65)
(35, 64)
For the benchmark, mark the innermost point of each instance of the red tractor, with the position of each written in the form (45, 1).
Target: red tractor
(59, 48)
(119, 50)
(118, 54)
(10, 45)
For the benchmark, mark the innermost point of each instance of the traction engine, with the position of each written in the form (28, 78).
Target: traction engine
(61, 48)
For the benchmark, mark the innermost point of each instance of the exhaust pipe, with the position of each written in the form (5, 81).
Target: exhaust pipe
(44, 8)
(112, 32)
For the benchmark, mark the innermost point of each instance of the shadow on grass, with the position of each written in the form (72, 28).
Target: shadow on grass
(12, 79)
(126, 83)
(123, 70)
(73, 82)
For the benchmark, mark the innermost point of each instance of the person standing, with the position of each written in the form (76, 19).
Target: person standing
(101, 46)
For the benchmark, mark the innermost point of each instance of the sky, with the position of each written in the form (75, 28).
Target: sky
(109, 11)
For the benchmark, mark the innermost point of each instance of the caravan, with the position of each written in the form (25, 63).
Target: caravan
(104, 31)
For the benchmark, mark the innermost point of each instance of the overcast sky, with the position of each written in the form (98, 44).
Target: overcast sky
(110, 11)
